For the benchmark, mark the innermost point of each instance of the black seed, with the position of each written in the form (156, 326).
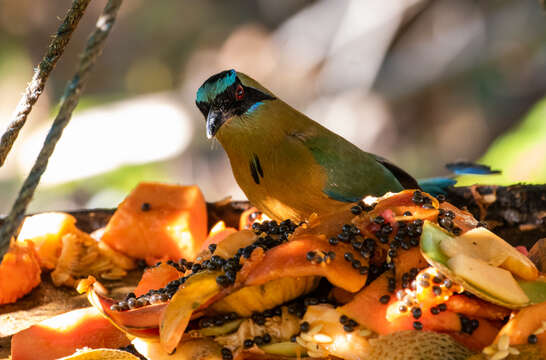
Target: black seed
(258, 340)
(226, 354)
(310, 255)
(222, 280)
(386, 229)
(333, 241)
(416, 312)
(379, 220)
(383, 239)
(346, 228)
(407, 213)
(414, 241)
(457, 231)
(363, 270)
(402, 308)
(230, 274)
(212, 248)
(441, 198)
(266, 338)
(424, 283)
(532, 339)
(442, 307)
(145, 206)
(356, 264)
(437, 280)
(434, 310)
(365, 254)
(450, 214)
(348, 256)
(343, 319)
(392, 253)
(445, 223)
(428, 206)
(304, 326)
(331, 255)
(248, 343)
(196, 267)
(369, 243)
(258, 318)
(356, 210)
(277, 311)
(437, 290)
(293, 338)
(343, 237)
(357, 245)
(384, 299)
(348, 328)
(417, 325)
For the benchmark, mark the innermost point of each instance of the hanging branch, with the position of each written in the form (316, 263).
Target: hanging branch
(71, 97)
(41, 73)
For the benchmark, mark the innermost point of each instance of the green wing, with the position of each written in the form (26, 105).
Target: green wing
(351, 172)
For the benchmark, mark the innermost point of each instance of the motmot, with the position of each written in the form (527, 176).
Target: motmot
(288, 165)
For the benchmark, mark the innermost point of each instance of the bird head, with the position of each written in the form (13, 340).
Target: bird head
(227, 97)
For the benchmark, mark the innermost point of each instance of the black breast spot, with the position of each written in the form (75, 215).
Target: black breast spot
(254, 173)
(256, 169)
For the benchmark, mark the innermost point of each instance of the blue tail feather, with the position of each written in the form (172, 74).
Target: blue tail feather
(467, 168)
(439, 185)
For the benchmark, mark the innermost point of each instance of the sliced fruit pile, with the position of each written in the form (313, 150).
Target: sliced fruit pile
(402, 273)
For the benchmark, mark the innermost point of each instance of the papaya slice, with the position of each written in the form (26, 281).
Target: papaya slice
(62, 335)
(19, 272)
(218, 233)
(367, 309)
(526, 321)
(156, 277)
(290, 260)
(475, 307)
(158, 222)
(46, 231)
(481, 337)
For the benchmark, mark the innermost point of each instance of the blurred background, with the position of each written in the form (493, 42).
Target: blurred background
(421, 83)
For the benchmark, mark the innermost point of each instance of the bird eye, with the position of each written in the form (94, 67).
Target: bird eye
(239, 93)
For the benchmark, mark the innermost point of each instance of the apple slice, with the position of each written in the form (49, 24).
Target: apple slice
(496, 281)
(483, 244)
(477, 244)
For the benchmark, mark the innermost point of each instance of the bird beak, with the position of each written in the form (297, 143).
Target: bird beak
(215, 119)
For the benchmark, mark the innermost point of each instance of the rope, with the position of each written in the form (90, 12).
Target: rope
(72, 93)
(34, 89)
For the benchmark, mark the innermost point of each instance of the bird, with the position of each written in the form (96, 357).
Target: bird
(288, 165)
